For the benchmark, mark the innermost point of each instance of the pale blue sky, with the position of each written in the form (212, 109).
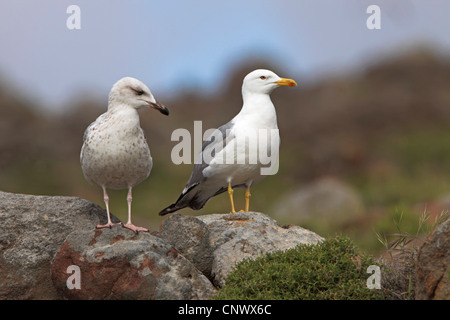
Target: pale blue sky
(171, 45)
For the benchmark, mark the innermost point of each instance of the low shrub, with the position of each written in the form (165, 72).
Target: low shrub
(332, 269)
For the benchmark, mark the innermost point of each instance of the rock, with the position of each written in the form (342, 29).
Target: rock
(327, 200)
(232, 238)
(433, 265)
(235, 237)
(190, 236)
(118, 264)
(41, 236)
(31, 230)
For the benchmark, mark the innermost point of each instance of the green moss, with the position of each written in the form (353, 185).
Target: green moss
(332, 269)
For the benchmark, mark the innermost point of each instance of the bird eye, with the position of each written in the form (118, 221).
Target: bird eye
(263, 77)
(139, 92)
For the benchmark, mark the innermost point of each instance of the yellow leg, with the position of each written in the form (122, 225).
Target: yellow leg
(230, 193)
(247, 199)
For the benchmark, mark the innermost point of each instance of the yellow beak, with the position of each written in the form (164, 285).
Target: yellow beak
(286, 82)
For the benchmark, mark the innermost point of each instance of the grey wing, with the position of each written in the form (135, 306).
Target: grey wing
(217, 141)
(197, 199)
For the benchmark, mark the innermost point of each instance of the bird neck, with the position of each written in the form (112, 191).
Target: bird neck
(129, 116)
(122, 108)
(258, 107)
(257, 103)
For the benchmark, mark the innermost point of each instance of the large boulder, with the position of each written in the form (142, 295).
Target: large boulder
(32, 228)
(119, 264)
(433, 265)
(226, 239)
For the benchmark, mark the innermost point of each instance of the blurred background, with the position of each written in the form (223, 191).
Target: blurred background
(365, 135)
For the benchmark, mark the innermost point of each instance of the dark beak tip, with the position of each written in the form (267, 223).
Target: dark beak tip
(163, 109)
(160, 107)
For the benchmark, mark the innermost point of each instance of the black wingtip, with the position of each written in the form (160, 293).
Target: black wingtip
(179, 204)
(168, 210)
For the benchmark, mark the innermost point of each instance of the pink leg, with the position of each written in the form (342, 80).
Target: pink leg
(106, 199)
(129, 225)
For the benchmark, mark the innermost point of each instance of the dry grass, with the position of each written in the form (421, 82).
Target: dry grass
(401, 252)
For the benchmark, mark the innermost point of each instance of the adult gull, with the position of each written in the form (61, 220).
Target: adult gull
(231, 158)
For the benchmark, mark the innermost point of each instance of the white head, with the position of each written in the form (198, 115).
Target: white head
(264, 81)
(132, 92)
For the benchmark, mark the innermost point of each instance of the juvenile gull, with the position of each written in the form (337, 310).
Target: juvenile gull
(115, 153)
(210, 178)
